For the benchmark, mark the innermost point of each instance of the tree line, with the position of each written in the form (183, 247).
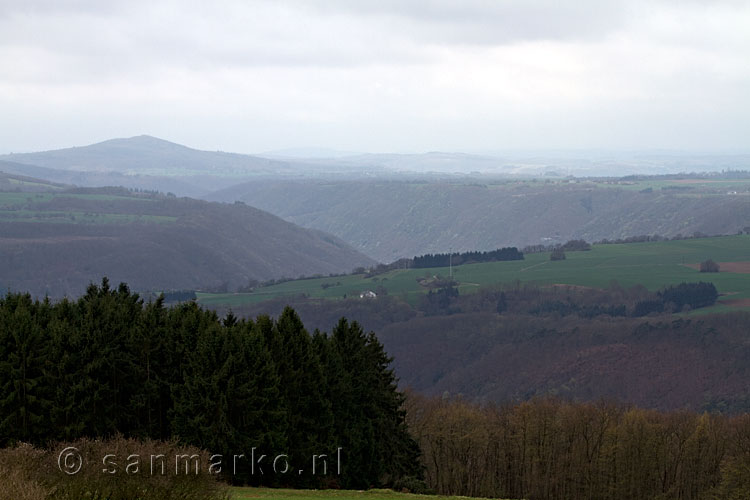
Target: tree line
(456, 259)
(111, 364)
(547, 449)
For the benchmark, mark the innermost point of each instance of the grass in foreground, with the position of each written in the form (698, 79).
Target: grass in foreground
(281, 494)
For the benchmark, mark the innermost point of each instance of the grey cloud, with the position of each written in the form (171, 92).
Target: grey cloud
(409, 74)
(489, 21)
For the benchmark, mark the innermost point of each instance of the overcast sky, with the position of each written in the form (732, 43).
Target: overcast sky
(377, 75)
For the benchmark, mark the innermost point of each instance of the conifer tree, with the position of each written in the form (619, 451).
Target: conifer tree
(104, 396)
(64, 372)
(21, 375)
(308, 412)
(368, 414)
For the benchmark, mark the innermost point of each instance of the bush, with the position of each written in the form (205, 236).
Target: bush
(33, 473)
(693, 294)
(709, 266)
(557, 254)
(577, 246)
(410, 484)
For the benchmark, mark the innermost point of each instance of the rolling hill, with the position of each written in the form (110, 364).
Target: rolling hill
(392, 219)
(57, 242)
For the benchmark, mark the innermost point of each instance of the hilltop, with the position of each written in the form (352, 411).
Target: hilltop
(147, 162)
(146, 154)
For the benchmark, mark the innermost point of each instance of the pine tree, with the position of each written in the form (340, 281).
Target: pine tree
(150, 343)
(21, 371)
(64, 372)
(104, 394)
(308, 412)
(368, 414)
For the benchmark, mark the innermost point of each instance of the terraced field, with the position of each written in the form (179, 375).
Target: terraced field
(652, 264)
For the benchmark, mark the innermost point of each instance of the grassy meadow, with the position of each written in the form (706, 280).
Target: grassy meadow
(651, 264)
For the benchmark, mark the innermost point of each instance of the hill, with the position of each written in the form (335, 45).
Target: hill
(146, 162)
(58, 242)
(390, 220)
(146, 154)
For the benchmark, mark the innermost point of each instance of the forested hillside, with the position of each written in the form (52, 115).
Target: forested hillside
(57, 242)
(519, 341)
(391, 220)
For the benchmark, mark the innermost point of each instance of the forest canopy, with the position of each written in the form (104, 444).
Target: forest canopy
(111, 364)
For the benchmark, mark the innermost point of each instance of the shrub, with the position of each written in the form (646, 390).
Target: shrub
(577, 246)
(410, 484)
(693, 294)
(709, 266)
(557, 254)
(32, 473)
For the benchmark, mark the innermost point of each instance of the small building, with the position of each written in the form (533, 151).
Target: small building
(368, 294)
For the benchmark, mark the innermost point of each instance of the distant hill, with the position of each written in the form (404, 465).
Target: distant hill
(393, 219)
(56, 243)
(146, 162)
(146, 154)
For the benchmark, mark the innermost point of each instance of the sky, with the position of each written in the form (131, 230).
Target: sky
(377, 75)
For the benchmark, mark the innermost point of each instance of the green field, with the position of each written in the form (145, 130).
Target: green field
(279, 494)
(24, 207)
(652, 264)
(10, 198)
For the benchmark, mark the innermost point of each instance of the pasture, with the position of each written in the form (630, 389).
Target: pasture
(651, 264)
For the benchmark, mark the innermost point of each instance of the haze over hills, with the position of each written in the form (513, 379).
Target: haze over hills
(57, 242)
(138, 161)
(146, 162)
(146, 154)
(390, 220)
(400, 205)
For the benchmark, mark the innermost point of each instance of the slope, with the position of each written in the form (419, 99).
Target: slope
(57, 242)
(389, 220)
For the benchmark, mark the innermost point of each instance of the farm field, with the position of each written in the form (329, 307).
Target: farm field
(32, 207)
(281, 494)
(10, 198)
(651, 264)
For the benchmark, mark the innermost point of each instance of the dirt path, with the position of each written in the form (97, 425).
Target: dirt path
(535, 265)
